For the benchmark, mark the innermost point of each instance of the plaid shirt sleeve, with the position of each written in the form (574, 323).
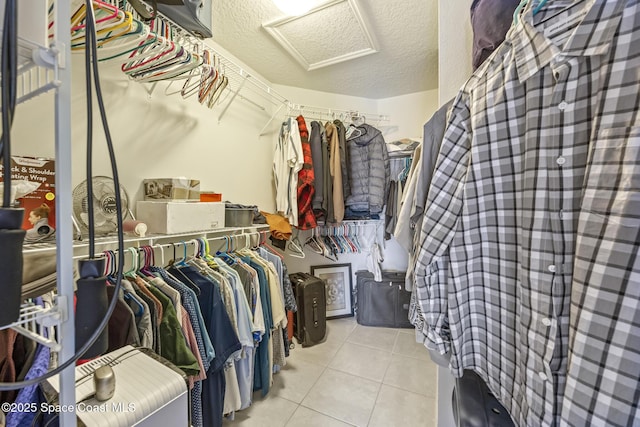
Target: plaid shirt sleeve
(444, 205)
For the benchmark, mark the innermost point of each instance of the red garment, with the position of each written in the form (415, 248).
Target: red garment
(306, 177)
(7, 363)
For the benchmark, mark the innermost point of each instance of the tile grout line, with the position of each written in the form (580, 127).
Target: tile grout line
(412, 392)
(375, 402)
(318, 379)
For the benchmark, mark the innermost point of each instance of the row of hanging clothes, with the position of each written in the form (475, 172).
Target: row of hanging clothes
(361, 237)
(219, 317)
(330, 171)
(401, 154)
(149, 51)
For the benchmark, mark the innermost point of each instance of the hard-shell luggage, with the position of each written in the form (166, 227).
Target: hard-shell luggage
(384, 303)
(310, 321)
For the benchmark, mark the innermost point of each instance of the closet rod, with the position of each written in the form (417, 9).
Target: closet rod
(182, 245)
(332, 113)
(324, 113)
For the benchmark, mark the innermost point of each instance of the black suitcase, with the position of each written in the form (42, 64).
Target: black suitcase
(384, 303)
(310, 321)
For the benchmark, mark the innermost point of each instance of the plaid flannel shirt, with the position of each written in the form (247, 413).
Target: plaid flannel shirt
(306, 179)
(528, 267)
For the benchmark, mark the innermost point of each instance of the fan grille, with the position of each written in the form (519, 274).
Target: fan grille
(104, 205)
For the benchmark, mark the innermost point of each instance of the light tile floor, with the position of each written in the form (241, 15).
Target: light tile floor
(360, 376)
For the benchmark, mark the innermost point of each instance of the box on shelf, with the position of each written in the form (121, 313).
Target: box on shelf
(210, 196)
(238, 217)
(37, 171)
(171, 189)
(173, 217)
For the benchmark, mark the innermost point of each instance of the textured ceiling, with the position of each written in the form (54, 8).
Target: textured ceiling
(405, 35)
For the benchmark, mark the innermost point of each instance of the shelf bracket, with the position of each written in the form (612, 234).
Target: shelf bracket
(273, 116)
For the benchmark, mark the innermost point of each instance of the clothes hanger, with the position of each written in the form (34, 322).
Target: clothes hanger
(357, 119)
(134, 263)
(108, 263)
(149, 260)
(539, 7)
(221, 83)
(200, 71)
(182, 261)
(115, 31)
(353, 132)
(206, 251)
(172, 66)
(175, 54)
(295, 247)
(518, 10)
(158, 246)
(117, 24)
(125, 43)
(80, 15)
(167, 51)
(155, 51)
(271, 249)
(218, 91)
(172, 69)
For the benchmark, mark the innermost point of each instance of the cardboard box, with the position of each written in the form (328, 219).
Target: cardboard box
(171, 189)
(180, 217)
(43, 172)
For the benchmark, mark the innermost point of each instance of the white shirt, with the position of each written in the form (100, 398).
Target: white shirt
(287, 162)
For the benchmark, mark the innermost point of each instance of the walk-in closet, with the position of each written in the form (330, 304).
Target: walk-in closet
(282, 213)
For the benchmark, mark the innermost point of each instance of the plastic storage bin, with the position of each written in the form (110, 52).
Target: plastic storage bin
(238, 217)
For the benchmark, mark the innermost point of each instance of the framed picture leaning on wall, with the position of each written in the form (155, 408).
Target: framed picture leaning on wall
(337, 281)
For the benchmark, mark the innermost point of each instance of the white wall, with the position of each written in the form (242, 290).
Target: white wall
(159, 136)
(454, 46)
(408, 113)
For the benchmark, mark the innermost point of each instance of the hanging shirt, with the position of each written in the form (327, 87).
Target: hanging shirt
(224, 340)
(287, 289)
(344, 158)
(490, 21)
(173, 294)
(174, 344)
(306, 179)
(315, 141)
(262, 370)
(535, 202)
(327, 182)
(335, 169)
(144, 320)
(205, 347)
(287, 162)
(122, 328)
(29, 395)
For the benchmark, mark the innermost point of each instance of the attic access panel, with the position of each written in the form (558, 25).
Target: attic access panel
(329, 34)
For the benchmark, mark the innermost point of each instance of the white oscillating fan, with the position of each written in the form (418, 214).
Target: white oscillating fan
(104, 205)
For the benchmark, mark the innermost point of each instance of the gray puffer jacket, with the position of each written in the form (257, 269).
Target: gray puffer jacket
(369, 170)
